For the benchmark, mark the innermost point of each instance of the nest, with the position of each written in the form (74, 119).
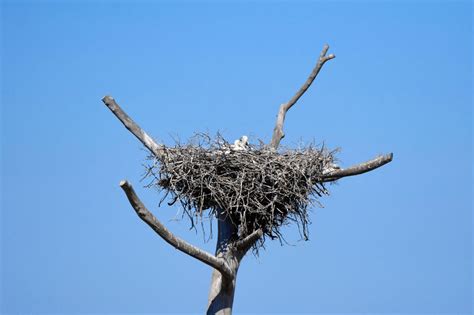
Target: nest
(257, 188)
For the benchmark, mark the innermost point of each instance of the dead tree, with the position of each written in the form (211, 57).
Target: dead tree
(250, 193)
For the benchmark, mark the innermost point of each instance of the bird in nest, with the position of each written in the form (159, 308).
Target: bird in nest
(240, 144)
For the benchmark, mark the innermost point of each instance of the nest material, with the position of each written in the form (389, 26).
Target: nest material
(257, 188)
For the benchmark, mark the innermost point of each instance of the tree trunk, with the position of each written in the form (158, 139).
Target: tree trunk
(221, 294)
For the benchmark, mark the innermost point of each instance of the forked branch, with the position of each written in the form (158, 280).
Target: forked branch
(217, 263)
(278, 133)
(359, 168)
(138, 132)
(245, 244)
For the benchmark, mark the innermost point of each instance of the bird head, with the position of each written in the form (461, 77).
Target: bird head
(244, 140)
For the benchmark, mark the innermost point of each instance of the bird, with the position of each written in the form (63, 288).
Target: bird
(240, 144)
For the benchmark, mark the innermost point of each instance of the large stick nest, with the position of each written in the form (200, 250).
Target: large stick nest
(257, 188)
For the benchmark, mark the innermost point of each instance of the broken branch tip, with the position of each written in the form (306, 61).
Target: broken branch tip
(123, 183)
(107, 98)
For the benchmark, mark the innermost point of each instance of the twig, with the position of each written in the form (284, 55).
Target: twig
(359, 168)
(278, 133)
(215, 262)
(138, 132)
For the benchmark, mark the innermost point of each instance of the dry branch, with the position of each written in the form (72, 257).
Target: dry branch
(278, 133)
(245, 244)
(217, 263)
(138, 132)
(359, 168)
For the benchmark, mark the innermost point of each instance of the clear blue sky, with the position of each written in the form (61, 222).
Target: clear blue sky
(397, 240)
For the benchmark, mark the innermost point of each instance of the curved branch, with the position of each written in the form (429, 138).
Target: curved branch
(245, 244)
(359, 168)
(138, 132)
(180, 244)
(278, 133)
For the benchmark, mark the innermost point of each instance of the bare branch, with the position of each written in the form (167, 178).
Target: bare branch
(278, 133)
(359, 168)
(180, 244)
(138, 132)
(245, 244)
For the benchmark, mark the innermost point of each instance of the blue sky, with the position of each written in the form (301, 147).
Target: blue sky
(397, 240)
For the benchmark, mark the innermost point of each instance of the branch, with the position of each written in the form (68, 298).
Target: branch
(359, 168)
(245, 244)
(216, 263)
(278, 133)
(141, 135)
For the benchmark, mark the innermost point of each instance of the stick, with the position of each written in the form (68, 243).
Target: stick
(138, 132)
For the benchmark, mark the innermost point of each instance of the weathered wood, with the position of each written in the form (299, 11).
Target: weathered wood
(246, 243)
(222, 289)
(218, 263)
(359, 168)
(278, 133)
(128, 122)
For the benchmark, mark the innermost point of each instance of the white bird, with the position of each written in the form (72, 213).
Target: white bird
(240, 144)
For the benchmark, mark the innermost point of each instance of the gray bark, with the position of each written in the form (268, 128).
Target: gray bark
(359, 168)
(278, 133)
(170, 238)
(221, 293)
